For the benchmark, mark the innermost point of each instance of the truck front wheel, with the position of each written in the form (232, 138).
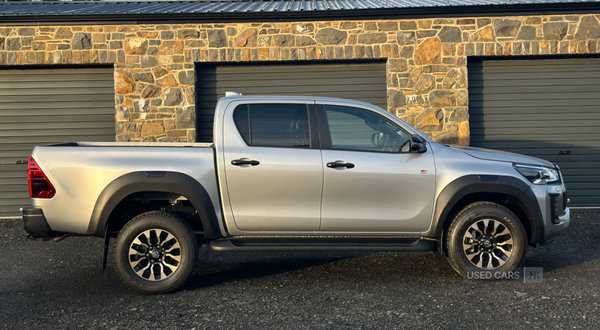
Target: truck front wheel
(485, 236)
(155, 252)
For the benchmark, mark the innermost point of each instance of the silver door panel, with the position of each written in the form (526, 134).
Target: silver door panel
(282, 193)
(384, 192)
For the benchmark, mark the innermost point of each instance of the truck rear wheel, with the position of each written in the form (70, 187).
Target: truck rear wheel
(155, 252)
(485, 236)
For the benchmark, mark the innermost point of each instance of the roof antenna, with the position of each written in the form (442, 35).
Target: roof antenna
(230, 93)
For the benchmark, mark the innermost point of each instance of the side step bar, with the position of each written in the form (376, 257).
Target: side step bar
(322, 244)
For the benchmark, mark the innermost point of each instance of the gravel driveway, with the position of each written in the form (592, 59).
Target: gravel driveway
(45, 285)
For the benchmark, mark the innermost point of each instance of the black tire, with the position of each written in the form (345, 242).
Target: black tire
(159, 271)
(486, 253)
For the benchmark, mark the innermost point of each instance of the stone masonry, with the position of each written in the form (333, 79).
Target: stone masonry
(426, 60)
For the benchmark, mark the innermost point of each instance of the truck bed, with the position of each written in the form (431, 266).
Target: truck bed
(80, 172)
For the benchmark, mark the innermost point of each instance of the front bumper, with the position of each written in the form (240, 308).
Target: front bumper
(554, 229)
(557, 216)
(35, 223)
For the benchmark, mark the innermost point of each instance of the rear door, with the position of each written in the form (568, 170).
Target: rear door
(273, 166)
(371, 182)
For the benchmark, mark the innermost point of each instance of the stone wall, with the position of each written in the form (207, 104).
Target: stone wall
(426, 60)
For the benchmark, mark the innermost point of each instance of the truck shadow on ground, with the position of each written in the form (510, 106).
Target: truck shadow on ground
(220, 268)
(306, 268)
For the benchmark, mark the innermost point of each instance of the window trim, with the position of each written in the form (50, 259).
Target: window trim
(325, 134)
(313, 129)
(235, 123)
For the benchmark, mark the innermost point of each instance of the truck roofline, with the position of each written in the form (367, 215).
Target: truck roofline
(291, 97)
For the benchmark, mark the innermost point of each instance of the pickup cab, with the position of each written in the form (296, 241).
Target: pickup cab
(294, 174)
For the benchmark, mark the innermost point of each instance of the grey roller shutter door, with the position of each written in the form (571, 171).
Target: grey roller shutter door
(48, 106)
(544, 108)
(358, 81)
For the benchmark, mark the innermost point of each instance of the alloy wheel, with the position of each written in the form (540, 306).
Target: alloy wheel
(488, 244)
(155, 254)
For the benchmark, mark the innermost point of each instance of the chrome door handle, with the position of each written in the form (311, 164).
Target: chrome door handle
(340, 163)
(245, 161)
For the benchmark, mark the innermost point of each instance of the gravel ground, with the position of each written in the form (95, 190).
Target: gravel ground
(45, 285)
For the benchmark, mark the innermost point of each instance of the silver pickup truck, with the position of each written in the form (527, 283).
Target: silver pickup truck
(294, 174)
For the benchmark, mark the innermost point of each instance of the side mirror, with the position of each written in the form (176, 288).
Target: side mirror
(418, 145)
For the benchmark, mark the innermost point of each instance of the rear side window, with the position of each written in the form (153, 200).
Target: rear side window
(273, 125)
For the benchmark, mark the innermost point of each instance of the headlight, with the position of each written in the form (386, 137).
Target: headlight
(537, 174)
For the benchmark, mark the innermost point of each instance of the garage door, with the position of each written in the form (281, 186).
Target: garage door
(545, 108)
(48, 106)
(358, 81)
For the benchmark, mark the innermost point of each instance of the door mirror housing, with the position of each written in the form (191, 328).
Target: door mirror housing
(418, 145)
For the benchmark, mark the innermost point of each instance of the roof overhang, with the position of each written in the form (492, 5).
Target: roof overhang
(131, 15)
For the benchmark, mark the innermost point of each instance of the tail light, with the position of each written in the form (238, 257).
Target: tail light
(39, 185)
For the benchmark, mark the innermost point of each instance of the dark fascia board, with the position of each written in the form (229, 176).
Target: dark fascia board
(242, 17)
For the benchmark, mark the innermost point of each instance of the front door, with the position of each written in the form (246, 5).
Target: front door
(372, 183)
(273, 168)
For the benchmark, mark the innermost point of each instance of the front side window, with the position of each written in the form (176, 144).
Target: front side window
(273, 125)
(361, 130)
